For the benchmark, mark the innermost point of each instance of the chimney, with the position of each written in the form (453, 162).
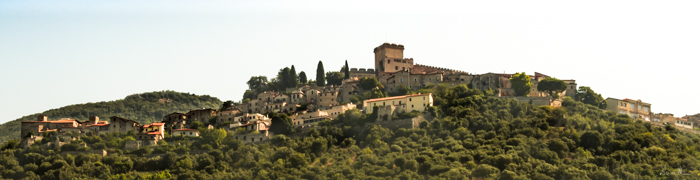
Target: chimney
(42, 118)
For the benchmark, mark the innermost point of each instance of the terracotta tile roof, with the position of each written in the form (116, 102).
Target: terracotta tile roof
(157, 124)
(100, 125)
(396, 97)
(146, 126)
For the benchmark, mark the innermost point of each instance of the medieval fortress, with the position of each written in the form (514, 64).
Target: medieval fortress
(308, 105)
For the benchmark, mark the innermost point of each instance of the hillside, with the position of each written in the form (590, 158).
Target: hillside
(473, 136)
(143, 107)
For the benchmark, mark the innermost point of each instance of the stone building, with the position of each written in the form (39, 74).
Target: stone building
(634, 108)
(186, 132)
(122, 125)
(306, 119)
(227, 115)
(398, 104)
(174, 120)
(42, 124)
(201, 115)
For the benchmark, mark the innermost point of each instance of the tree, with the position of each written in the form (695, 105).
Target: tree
(368, 83)
(281, 123)
(293, 79)
(553, 86)
(226, 104)
(586, 95)
(346, 71)
(403, 90)
(213, 136)
(320, 75)
(302, 77)
(196, 125)
(521, 84)
(249, 94)
(255, 82)
(591, 140)
(334, 78)
(485, 171)
(283, 79)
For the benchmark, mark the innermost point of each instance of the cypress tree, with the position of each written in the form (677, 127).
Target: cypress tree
(320, 75)
(347, 70)
(302, 77)
(293, 80)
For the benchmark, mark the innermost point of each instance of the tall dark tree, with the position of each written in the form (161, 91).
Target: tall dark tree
(302, 77)
(320, 75)
(293, 79)
(346, 71)
(334, 78)
(282, 82)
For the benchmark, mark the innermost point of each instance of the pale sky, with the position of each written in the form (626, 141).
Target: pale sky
(54, 54)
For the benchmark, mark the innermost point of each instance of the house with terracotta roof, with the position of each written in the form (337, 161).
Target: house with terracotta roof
(42, 124)
(150, 134)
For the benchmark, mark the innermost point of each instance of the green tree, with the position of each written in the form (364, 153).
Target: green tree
(281, 123)
(226, 104)
(485, 171)
(293, 79)
(520, 82)
(553, 86)
(368, 83)
(283, 79)
(302, 77)
(320, 75)
(346, 70)
(255, 81)
(196, 125)
(586, 95)
(334, 78)
(213, 136)
(591, 140)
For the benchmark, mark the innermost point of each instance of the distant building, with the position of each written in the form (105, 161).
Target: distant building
(398, 104)
(634, 108)
(186, 132)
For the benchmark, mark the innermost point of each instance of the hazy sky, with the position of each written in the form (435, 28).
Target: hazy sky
(58, 53)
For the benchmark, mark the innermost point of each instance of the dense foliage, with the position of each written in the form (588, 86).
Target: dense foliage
(520, 82)
(320, 75)
(473, 136)
(143, 108)
(553, 86)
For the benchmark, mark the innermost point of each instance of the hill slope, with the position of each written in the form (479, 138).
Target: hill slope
(143, 107)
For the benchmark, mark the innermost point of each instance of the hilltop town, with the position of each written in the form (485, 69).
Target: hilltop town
(395, 89)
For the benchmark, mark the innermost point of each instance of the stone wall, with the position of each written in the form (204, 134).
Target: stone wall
(100, 152)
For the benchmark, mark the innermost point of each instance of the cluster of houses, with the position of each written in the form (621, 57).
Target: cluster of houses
(308, 105)
(639, 110)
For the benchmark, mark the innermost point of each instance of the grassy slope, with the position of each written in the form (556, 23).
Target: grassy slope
(144, 108)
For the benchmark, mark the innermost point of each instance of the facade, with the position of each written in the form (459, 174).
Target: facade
(406, 103)
(121, 125)
(201, 115)
(174, 120)
(227, 115)
(307, 119)
(186, 132)
(42, 124)
(634, 108)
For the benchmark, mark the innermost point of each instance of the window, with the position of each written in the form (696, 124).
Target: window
(411, 106)
(632, 106)
(401, 80)
(623, 112)
(423, 98)
(410, 99)
(403, 68)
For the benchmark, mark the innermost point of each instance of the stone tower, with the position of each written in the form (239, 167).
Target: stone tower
(389, 58)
